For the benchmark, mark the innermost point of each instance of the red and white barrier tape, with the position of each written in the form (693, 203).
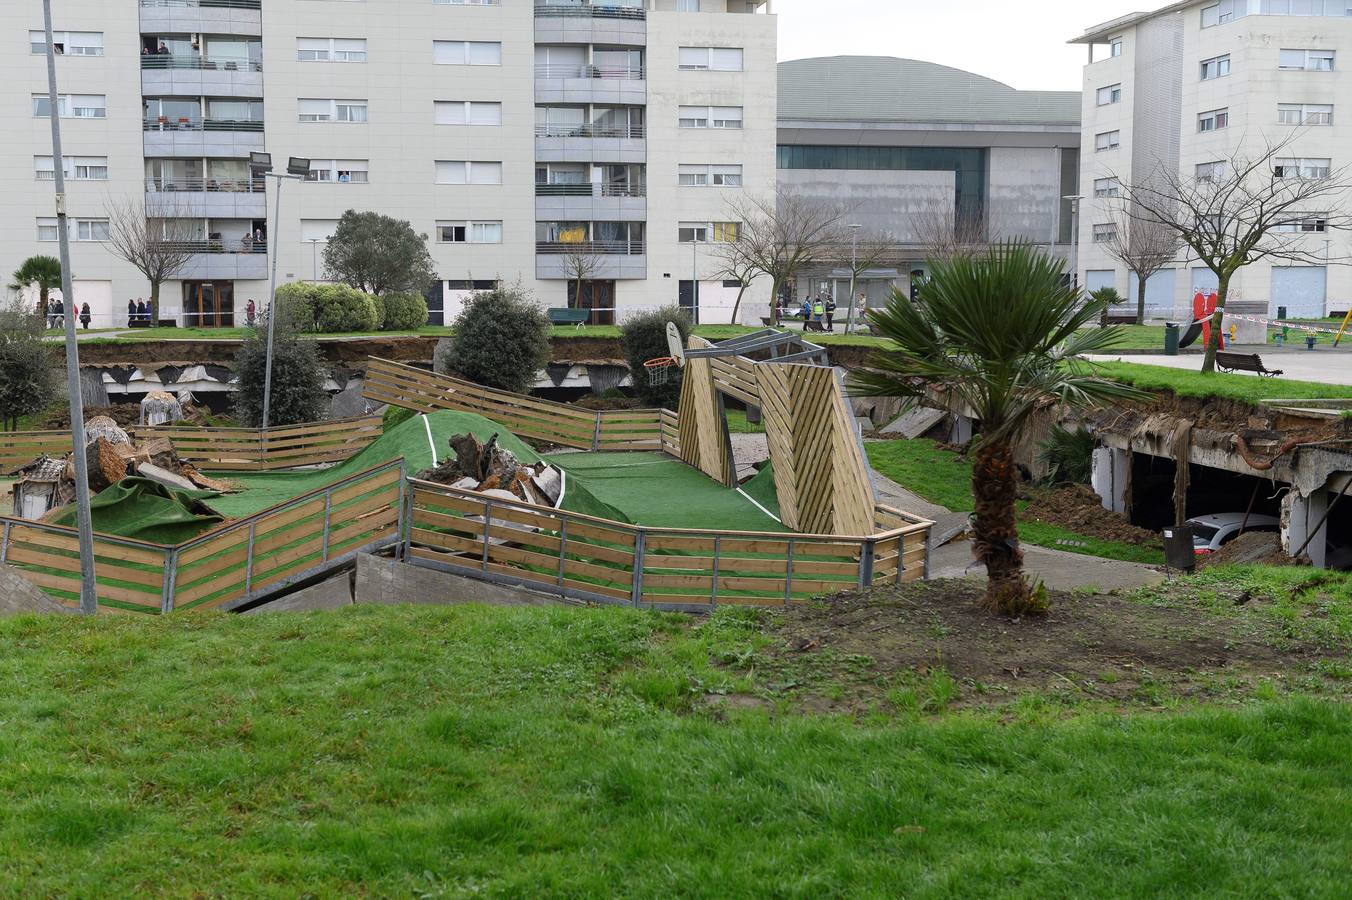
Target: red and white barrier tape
(1277, 323)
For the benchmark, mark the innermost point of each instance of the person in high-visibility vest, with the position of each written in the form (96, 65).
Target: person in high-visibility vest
(818, 311)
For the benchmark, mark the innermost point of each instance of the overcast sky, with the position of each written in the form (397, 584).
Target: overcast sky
(1020, 43)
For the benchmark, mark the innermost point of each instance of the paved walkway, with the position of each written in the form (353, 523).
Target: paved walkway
(1323, 364)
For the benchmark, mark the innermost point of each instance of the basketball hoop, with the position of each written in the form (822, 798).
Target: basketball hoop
(659, 369)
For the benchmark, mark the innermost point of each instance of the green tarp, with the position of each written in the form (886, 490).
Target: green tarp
(148, 511)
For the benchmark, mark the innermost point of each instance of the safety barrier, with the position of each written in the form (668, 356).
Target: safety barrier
(19, 448)
(254, 449)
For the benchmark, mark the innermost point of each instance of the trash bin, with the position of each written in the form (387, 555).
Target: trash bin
(1170, 339)
(1281, 312)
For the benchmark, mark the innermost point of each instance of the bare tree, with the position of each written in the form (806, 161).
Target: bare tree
(946, 231)
(1144, 247)
(1238, 211)
(154, 237)
(581, 264)
(858, 253)
(737, 262)
(781, 234)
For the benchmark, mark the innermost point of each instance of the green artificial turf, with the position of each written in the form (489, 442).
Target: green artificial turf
(1246, 388)
(552, 752)
(657, 491)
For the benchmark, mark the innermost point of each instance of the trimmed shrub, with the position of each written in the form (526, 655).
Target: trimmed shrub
(644, 336)
(295, 301)
(404, 311)
(298, 393)
(329, 308)
(501, 340)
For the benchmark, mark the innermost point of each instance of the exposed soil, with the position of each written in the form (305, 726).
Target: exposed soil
(1078, 508)
(57, 418)
(854, 651)
(593, 401)
(1263, 547)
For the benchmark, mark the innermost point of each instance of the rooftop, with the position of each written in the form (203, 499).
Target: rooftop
(888, 89)
(1102, 33)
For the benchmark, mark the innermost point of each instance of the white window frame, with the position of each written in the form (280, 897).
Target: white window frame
(342, 50)
(48, 229)
(716, 175)
(339, 112)
(1107, 140)
(1305, 223)
(340, 171)
(468, 109)
(76, 168)
(1219, 119)
(1103, 232)
(1108, 94)
(1115, 47)
(473, 228)
(467, 171)
(1213, 170)
(467, 53)
(1302, 167)
(687, 59)
(1305, 113)
(1107, 187)
(71, 43)
(708, 117)
(83, 230)
(1215, 67)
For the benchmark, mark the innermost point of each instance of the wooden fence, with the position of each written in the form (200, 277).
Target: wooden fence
(19, 448)
(228, 566)
(668, 568)
(558, 423)
(254, 449)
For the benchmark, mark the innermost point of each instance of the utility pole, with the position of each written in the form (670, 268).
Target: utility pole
(296, 170)
(854, 269)
(89, 599)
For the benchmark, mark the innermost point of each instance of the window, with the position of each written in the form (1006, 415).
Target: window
(68, 43)
(1295, 167)
(459, 171)
(467, 112)
(79, 106)
(1213, 120)
(1107, 140)
(467, 53)
(1210, 171)
(77, 168)
(710, 117)
(47, 229)
(1107, 187)
(1305, 223)
(687, 5)
(1110, 94)
(1304, 114)
(469, 232)
(331, 49)
(716, 59)
(1218, 13)
(1216, 67)
(317, 229)
(91, 229)
(1306, 60)
(340, 171)
(315, 110)
(1115, 47)
(702, 232)
(1104, 233)
(709, 175)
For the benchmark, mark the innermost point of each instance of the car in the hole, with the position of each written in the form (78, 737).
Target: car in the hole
(1210, 532)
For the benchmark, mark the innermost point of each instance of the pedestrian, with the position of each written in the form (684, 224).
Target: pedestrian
(250, 312)
(830, 312)
(164, 49)
(260, 245)
(51, 312)
(85, 315)
(131, 313)
(60, 314)
(818, 312)
(246, 242)
(141, 314)
(807, 310)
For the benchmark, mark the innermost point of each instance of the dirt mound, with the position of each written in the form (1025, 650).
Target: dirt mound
(594, 402)
(1251, 547)
(58, 418)
(1078, 508)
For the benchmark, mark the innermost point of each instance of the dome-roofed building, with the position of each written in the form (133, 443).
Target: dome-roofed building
(910, 147)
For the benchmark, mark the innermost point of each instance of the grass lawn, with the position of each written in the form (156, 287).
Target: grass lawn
(564, 752)
(942, 477)
(1245, 388)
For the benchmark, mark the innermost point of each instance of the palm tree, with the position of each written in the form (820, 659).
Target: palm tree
(998, 331)
(45, 271)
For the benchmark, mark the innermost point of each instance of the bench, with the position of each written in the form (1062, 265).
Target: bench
(567, 315)
(1243, 362)
(1120, 319)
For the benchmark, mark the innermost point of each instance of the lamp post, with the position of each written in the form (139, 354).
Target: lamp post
(854, 267)
(694, 277)
(314, 259)
(1074, 238)
(89, 600)
(296, 170)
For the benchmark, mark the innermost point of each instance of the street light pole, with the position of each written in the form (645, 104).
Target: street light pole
(854, 268)
(89, 600)
(1074, 238)
(694, 278)
(296, 170)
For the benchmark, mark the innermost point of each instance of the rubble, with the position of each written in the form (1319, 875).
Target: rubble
(489, 468)
(159, 408)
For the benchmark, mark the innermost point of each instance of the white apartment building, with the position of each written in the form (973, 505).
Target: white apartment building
(518, 136)
(1197, 82)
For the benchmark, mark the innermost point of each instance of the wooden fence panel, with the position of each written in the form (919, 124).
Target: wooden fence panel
(19, 448)
(253, 449)
(129, 575)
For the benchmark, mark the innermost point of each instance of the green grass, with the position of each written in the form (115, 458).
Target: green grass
(562, 752)
(738, 424)
(942, 477)
(1245, 388)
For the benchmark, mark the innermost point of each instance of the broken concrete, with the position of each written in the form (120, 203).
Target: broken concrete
(164, 477)
(380, 579)
(915, 422)
(332, 593)
(18, 595)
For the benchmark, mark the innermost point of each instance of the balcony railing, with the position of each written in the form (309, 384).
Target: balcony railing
(608, 248)
(590, 190)
(224, 185)
(588, 10)
(634, 73)
(203, 4)
(186, 123)
(194, 61)
(215, 245)
(634, 132)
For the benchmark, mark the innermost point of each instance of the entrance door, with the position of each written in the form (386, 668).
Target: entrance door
(208, 304)
(598, 296)
(688, 296)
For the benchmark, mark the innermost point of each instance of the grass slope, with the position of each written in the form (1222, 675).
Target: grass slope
(563, 752)
(1247, 388)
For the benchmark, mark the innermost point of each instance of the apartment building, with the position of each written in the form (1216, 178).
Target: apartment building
(1195, 83)
(528, 141)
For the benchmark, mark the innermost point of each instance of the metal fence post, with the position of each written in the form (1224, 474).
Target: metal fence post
(713, 582)
(596, 432)
(867, 552)
(248, 562)
(324, 544)
(170, 577)
(901, 557)
(636, 582)
(788, 574)
(488, 518)
(563, 549)
(4, 544)
(404, 527)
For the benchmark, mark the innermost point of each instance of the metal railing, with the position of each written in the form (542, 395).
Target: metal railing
(215, 245)
(590, 190)
(466, 2)
(202, 4)
(213, 185)
(592, 130)
(186, 123)
(589, 10)
(633, 73)
(195, 61)
(605, 248)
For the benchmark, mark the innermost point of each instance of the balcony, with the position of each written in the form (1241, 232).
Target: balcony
(612, 259)
(164, 75)
(606, 85)
(217, 259)
(581, 23)
(209, 197)
(199, 137)
(590, 143)
(238, 17)
(591, 202)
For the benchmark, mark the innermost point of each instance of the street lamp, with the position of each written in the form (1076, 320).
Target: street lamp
(854, 268)
(314, 259)
(1074, 238)
(694, 276)
(296, 170)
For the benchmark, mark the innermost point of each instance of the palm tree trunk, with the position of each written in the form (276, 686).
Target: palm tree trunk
(995, 538)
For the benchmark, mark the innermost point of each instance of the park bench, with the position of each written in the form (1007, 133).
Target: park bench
(1243, 362)
(567, 315)
(1121, 319)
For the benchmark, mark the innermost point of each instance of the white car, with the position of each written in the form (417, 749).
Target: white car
(1210, 532)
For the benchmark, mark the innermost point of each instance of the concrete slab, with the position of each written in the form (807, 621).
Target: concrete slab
(165, 477)
(18, 595)
(383, 580)
(1055, 568)
(333, 593)
(915, 422)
